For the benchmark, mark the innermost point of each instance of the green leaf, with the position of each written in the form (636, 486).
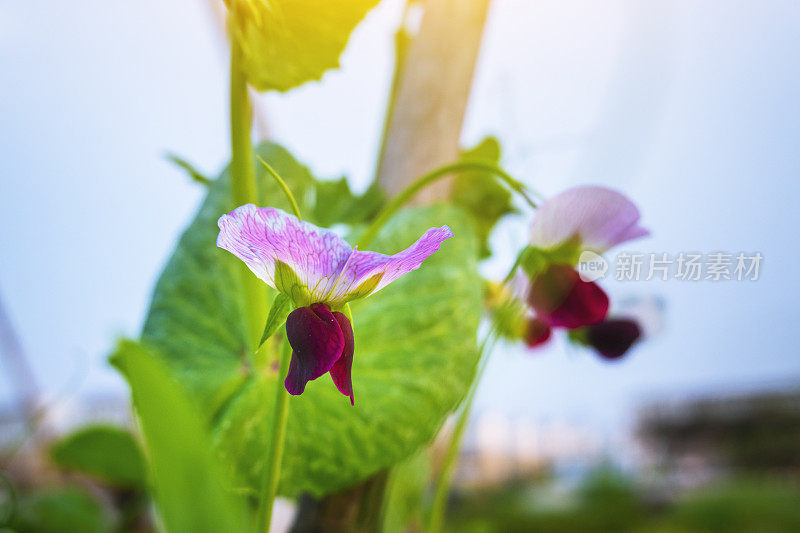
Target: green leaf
(415, 356)
(281, 307)
(62, 510)
(195, 174)
(286, 43)
(188, 483)
(336, 204)
(415, 348)
(107, 452)
(480, 193)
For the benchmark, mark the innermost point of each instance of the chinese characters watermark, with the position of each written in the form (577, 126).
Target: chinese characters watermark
(684, 266)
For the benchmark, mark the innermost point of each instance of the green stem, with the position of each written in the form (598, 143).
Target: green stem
(431, 177)
(442, 491)
(280, 412)
(283, 186)
(272, 471)
(243, 185)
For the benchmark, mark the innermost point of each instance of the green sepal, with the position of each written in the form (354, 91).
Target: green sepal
(534, 260)
(578, 336)
(281, 307)
(362, 291)
(287, 282)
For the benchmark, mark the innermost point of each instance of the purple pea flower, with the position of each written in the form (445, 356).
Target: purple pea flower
(590, 218)
(562, 299)
(599, 218)
(320, 272)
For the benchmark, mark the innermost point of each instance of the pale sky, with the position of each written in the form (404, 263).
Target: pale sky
(690, 107)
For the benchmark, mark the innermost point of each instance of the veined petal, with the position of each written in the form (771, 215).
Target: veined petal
(367, 272)
(601, 218)
(317, 342)
(341, 369)
(290, 255)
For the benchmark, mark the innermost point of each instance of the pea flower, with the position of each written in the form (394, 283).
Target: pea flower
(320, 272)
(587, 218)
(562, 299)
(594, 218)
(613, 337)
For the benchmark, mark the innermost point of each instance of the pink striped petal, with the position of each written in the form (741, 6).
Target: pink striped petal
(367, 272)
(264, 236)
(312, 264)
(601, 218)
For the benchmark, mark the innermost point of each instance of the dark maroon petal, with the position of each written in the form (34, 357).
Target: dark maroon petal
(340, 372)
(562, 299)
(317, 342)
(612, 338)
(537, 332)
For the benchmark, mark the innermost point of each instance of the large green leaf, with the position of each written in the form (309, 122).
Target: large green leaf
(286, 43)
(415, 349)
(107, 452)
(340, 205)
(188, 482)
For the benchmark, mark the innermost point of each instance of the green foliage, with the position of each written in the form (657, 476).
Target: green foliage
(336, 203)
(480, 193)
(608, 501)
(106, 452)
(195, 174)
(286, 43)
(741, 506)
(62, 511)
(8, 500)
(415, 347)
(187, 480)
(280, 309)
(408, 482)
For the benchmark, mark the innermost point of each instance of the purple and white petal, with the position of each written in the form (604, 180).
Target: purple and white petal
(368, 272)
(601, 218)
(262, 236)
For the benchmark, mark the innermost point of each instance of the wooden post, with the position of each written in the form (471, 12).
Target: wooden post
(425, 123)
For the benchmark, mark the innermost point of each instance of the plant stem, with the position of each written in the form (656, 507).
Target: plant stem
(243, 185)
(285, 188)
(422, 182)
(454, 446)
(272, 471)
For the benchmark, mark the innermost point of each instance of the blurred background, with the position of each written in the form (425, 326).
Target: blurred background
(690, 108)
